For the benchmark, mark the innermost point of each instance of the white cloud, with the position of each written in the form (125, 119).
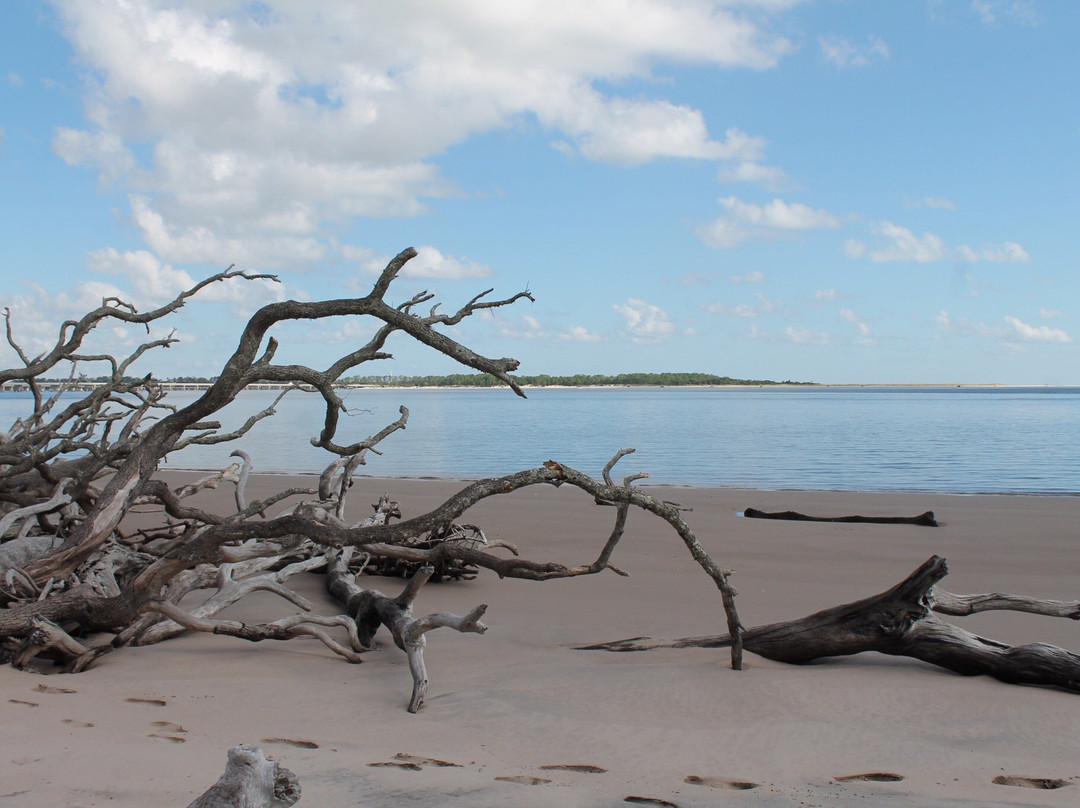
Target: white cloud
(862, 329)
(765, 306)
(1036, 333)
(903, 245)
(745, 221)
(826, 294)
(906, 246)
(1020, 11)
(246, 128)
(1051, 314)
(644, 322)
(1007, 253)
(428, 263)
(527, 327)
(853, 248)
(844, 53)
(753, 276)
(933, 202)
(579, 333)
(1014, 329)
(804, 336)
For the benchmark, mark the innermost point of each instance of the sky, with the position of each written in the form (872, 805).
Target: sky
(834, 191)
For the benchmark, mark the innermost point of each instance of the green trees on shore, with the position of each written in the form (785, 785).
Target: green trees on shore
(546, 380)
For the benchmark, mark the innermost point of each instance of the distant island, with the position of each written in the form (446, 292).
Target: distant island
(84, 383)
(577, 380)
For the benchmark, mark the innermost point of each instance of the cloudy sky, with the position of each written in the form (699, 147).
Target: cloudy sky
(825, 190)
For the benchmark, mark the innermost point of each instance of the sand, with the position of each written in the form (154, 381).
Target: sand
(150, 726)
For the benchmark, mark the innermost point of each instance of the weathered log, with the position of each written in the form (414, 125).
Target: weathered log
(924, 519)
(898, 622)
(47, 637)
(251, 781)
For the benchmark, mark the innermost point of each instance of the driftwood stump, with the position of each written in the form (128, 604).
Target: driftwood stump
(251, 781)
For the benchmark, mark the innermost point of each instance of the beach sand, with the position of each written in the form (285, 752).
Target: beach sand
(151, 726)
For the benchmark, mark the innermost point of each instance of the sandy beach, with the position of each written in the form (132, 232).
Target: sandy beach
(529, 721)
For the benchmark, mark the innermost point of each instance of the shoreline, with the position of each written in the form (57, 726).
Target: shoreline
(150, 726)
(646, 484)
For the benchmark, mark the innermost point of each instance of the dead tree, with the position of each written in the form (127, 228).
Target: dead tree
(73, 467)
(251, 781)
(902, 621)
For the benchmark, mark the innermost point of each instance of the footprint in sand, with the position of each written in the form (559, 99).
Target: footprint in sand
(584, 768)
(523, 779)
(167, 731)
(396, 764)
(1029, 782)
(52, 690)
(719, 782)
(24, 703)
(650, 801)
(425, 761)
(299, 743)
(869, 777)
(152, 702)
(80, 724)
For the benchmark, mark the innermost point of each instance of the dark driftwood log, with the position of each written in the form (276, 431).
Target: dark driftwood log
(251, 781)
(899, 622)
(925, 519)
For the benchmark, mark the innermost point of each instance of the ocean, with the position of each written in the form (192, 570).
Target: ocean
(928, 439)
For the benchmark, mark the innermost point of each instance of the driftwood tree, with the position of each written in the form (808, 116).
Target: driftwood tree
(75, 465)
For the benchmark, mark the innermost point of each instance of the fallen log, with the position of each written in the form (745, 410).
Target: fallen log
(900, 622)
(926, 519)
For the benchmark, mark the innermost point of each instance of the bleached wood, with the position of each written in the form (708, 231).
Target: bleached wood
(251, 781)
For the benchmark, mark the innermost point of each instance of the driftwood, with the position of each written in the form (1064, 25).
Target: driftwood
(925, 519)
(251, 781)
(371, 609)
(901, 622)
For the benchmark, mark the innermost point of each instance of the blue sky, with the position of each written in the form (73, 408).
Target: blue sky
(863, 192)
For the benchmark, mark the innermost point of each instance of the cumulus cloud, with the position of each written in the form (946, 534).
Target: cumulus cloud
(804, 336)
(744, 221)
(526, 327)
(579, 333)
(644, 322)
(843, 53)
(1014, 329)
(1036, 333)
(244, 129)
(900, 244)
(862, 329)
(428, 263)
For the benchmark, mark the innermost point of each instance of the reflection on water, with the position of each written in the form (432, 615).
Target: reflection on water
(917, 439)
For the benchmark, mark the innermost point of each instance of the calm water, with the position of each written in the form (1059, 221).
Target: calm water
(908, 439)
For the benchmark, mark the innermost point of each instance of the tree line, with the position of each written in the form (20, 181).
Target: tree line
(547, 380)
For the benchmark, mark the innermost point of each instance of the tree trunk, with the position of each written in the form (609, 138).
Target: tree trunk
(251, 781)
(901, 622)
